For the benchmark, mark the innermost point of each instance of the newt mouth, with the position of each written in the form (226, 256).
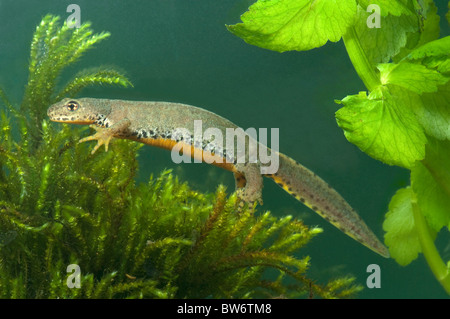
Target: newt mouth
(71, 120)
(62, 117)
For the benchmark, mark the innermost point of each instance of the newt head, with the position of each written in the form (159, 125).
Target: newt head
(77, 111)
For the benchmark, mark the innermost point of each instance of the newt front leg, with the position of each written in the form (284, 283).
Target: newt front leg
(105, 134)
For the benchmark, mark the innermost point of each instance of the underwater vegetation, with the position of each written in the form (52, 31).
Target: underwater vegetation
(61, 207)
(402, 119)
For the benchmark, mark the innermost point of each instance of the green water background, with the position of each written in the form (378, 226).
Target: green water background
(180, 51)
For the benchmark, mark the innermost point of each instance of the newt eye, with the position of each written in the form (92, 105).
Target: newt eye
(72, 106)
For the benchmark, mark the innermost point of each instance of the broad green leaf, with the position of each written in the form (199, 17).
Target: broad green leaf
(414, 77)
(383, 126)
(284, 25)
(381, 44)
(393, 7)
(401, 236)
(429, 22)
(431, 183)
(428, 30)
(436, 48)
(435, 54)
(432, 109)
(442, 65)
(433, 112)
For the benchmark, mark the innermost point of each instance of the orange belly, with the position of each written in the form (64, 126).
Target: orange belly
(195, 153)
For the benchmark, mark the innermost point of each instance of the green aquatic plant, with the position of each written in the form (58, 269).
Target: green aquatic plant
(404, 117)
(52, 50)
(74, 225)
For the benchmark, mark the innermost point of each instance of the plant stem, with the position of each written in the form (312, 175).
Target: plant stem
(359, 60)
(434, 260)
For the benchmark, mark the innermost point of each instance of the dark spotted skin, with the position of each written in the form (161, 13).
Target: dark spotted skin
(165, 124)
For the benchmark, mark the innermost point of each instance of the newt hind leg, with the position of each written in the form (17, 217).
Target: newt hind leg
(249, 183)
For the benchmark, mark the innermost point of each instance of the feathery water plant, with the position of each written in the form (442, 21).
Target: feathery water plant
(53, 49)
(59, 206)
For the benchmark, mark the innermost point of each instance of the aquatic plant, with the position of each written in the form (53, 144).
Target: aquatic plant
(68, 217)
(404, 117)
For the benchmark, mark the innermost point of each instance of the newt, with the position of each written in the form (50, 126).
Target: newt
(158, 124)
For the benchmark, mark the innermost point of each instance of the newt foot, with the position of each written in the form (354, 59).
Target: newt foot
(103, 137)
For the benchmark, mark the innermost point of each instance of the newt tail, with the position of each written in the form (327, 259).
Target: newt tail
(318, 195)
(168, 125)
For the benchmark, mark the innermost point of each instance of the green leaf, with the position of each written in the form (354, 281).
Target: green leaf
(414, 77)
(382, 44)
(383, 125)
(392, 7)
(401, 236)
(284, 25)
(437, 48)
(435, 54)
(427, 20)
(432, 109)
(433, 112)
(431, 182)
